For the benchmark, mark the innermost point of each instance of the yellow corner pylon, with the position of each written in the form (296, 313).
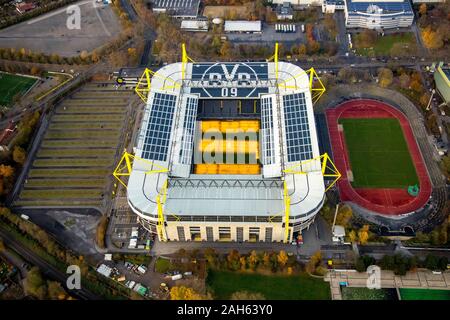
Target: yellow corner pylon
(125, 166)
(275, 60)
(328, 168)
(317, 88)
(315, 84)
(184, 60)
(143, 87)
(287, 209)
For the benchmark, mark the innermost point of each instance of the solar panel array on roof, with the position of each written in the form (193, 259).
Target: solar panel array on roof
(298, 137)
(267, 144)
(187, 143)
(157, 136)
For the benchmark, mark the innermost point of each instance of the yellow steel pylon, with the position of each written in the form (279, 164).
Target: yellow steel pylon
(275, 60)
(316, 87)
(287, 209)
(184, 60)
(124, 167)
(143, 86)
(328, 168)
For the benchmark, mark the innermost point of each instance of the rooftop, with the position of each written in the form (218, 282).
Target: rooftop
(177, 8)
(379, 7)
(242, 26)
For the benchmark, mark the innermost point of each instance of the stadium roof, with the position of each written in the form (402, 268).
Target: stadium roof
(242, 26)
(288, 140)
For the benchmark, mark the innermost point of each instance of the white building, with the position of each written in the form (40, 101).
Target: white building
(242, 26)
(194, 25)
(378, 14)
(330, 6)
(176, 202)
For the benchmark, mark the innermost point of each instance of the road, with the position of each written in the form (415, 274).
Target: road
(47, 269)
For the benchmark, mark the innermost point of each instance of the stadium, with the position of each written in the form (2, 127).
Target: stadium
(382, 166)
(227, 151)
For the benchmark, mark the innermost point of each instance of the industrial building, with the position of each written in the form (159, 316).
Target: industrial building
(242, 26)
(195, 25)
(378, 14)
(330, 6)
(442, 80)
(227, 151)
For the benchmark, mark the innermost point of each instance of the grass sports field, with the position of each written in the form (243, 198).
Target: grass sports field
(276, 287)
(11, 85)
(424, 294)
(379, 154)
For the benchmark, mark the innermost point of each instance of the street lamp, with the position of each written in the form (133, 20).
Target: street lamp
(429, 102)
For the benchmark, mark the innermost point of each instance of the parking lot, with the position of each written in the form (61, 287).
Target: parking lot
(49, 33)
(125, 226)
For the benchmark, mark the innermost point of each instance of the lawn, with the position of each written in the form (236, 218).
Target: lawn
(272, 287)
(424, 294)
(379, 155)
(162, 265)
(368, 294)
(383, 45)
(12, 85)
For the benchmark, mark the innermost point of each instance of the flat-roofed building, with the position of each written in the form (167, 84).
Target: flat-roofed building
(376, 14)
(242, 26)
(442, 80)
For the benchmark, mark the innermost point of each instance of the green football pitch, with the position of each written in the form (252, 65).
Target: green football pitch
(11, 85)
(379, 155)
(424, 294)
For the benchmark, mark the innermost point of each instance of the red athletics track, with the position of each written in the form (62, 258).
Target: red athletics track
(384, 201)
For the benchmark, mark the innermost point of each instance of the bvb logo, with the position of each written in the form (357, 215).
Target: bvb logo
(374, 279)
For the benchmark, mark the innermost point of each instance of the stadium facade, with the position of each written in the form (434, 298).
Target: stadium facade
(182, 186)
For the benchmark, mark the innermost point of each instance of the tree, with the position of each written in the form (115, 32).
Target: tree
(363, 234)
(432, 39)
(385, 77)
(423, 9)
(314, 262)
(233, 260)
(6, 171)
(211, 256)
(184, 293)
(282, 258)
(19, 155)
(226, 49)
(56, 291)
(266, 260)
(404, 80)
(35, 284)
(2, 246)
(352, 236)
(253, 260)
(302, 49)
(344, 215)
(245, 295)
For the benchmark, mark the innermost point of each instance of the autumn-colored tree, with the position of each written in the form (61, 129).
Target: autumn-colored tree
(233, 259)
(35, 71)
(56, 291)
(344, 215)
(385, 77)
(253, 260)
(243, 262)
(363, 234)
(225, 49)
(2, 246)
(35, 284)
(404, 80)
(266, 260)
(423, 9)
(314, 262)
(184, 293)
(282, 258)
(432, 39)
(19, 155)
(352, 236)
(6, 171)
(302, 49)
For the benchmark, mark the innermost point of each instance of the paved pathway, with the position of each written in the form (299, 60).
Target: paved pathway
(422, 279)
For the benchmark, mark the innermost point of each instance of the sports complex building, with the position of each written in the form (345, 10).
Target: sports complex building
(227, 152)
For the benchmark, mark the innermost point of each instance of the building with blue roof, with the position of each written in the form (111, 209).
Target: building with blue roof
(384, 14)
